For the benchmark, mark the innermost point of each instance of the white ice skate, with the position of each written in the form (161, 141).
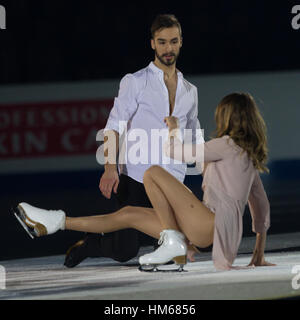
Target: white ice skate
(39, 222)
(172, 247)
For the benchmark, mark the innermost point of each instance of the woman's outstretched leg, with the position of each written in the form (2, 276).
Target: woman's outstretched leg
(40, 222)
(174, 207)
(139, 218)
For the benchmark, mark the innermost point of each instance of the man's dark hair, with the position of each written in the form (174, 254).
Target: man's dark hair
(165, 21)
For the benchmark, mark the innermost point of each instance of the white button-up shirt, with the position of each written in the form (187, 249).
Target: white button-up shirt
(141, 106)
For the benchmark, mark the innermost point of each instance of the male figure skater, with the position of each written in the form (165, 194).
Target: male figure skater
(145, 98)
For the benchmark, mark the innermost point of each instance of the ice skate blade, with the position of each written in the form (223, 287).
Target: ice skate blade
(160, 268)
(30, 231)
(38, 228)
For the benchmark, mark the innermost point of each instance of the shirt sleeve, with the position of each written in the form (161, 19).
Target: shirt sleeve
(193, 122)
(212, 150)
(228, 228)
(227, 238)
(259, 206)
(125, 104)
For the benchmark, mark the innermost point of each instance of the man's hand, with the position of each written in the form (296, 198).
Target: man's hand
(172, 122)
(109, 181)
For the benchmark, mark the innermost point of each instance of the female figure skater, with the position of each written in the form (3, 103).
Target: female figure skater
(178, 219)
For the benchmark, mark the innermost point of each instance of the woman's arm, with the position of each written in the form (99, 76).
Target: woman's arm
(188, 152)
(258, 257)
(260, 212)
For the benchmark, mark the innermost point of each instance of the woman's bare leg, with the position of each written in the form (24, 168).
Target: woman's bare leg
(159, 201)
(139, 218)
(178, 208)
(143, 219)
(174, 207)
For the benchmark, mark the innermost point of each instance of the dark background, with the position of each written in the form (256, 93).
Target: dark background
(83, 40)
(58, 41)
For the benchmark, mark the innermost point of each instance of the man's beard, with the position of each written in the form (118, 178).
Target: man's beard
(167, 63)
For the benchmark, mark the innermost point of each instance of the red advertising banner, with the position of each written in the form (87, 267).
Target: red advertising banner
(51, 128)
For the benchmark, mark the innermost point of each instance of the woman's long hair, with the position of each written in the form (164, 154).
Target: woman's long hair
(237, 115)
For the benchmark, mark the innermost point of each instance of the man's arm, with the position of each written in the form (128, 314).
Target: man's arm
(124, 107)
(110, 178)
(193, 121)
(125, 104)
(111, 147)
(194, 124)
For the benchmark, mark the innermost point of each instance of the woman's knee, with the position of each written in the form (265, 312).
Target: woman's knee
(128, 214)
(151, 172)
(125, 210)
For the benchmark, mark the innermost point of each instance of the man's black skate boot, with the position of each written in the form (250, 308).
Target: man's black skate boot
(89, 247)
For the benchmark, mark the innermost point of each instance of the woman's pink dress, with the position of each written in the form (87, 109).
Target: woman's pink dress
(230, 182)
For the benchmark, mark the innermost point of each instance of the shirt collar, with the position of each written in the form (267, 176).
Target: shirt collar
(155, 69)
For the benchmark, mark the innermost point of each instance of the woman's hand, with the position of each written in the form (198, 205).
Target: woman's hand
(191, 251)
(172, 122)
(259, 261)
(258, 258)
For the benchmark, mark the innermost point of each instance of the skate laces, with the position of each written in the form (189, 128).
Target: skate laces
(162, 238)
